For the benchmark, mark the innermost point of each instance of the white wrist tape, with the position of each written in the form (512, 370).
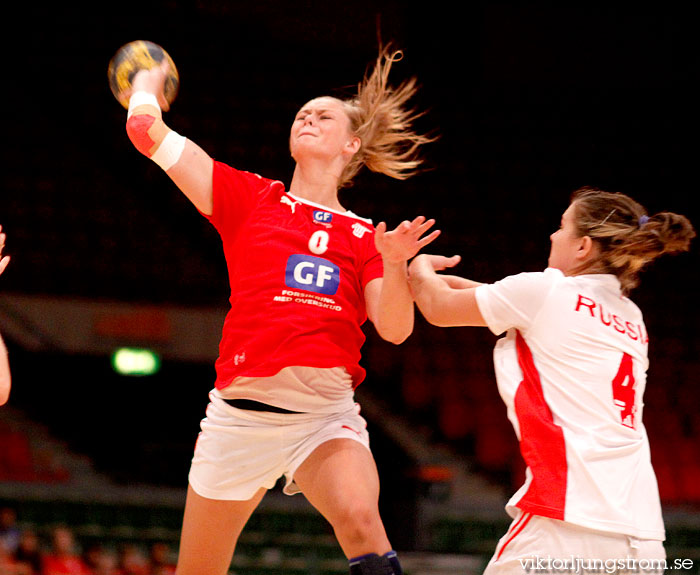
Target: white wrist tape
(141, 98)
(169, 151)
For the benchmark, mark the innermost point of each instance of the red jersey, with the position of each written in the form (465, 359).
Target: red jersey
(297, 272)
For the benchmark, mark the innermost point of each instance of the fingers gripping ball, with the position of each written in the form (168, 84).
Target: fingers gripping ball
(135, 56)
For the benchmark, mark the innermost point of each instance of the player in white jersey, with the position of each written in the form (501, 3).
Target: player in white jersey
(571, 370)
(304, 274)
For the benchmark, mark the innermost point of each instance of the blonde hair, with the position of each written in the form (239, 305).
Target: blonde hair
(379, 117)
(628, 239)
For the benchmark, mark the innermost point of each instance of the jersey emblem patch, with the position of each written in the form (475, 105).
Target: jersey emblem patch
(323, 217)
(358, 230)
(312, 274)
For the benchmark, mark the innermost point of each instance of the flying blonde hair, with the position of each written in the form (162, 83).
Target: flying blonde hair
(628, 239)
(380, 118)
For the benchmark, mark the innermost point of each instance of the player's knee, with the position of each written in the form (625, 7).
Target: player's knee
(358, 521)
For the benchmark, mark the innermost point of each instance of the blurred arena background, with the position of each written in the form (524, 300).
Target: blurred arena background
(532, 100)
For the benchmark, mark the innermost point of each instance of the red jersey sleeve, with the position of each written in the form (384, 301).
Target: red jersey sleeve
(373, 267)
(235, 194)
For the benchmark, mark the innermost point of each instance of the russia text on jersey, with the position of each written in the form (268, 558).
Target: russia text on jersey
(635, 332)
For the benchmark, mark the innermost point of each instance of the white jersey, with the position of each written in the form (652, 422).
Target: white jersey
(572, 371)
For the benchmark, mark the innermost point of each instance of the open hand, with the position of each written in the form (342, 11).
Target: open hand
(405, 241)
(430, 262)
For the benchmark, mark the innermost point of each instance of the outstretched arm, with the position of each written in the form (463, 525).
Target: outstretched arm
(189, 166)
(443, 300)
(389, 301)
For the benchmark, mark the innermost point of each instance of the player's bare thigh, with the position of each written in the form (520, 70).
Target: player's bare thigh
(210, 531)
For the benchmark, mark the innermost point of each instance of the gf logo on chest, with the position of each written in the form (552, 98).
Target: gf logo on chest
(322, 217)
(312, 274)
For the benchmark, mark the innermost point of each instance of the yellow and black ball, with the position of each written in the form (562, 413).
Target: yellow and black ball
(135, 56)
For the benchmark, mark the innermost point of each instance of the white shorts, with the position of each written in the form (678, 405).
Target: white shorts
(239, 451)
(535, 544)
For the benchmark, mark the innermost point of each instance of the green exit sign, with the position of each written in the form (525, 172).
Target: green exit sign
(135, 361)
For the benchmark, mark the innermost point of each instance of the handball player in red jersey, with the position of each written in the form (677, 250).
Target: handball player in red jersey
(572, 372)
(305, 273)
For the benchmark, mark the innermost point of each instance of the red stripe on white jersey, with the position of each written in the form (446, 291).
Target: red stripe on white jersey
(541, 442)
(515, 530)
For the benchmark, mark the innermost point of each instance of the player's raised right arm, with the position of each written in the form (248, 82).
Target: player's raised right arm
(185, 162)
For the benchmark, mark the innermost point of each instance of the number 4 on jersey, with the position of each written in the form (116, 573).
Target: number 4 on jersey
(624, 391)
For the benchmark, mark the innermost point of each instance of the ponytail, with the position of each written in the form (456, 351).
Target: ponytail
(628, 239)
